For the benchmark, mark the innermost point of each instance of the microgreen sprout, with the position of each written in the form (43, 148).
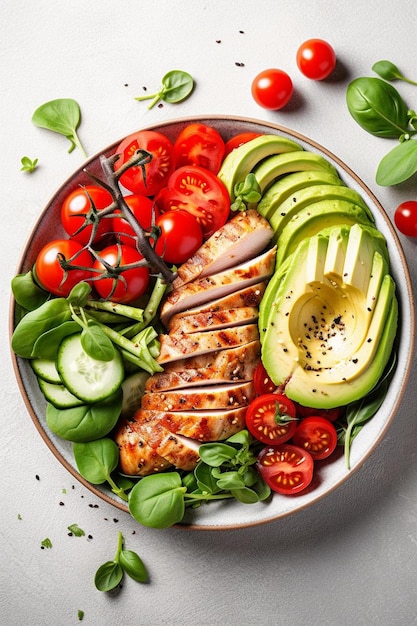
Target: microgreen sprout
(28, 165)
(176, 86)
(110, 574)
(389, 71)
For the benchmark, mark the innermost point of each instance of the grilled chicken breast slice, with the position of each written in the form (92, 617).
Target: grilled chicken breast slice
(136, 456)
(204, 425)
(181, 345)
(213, 320)
(209, 288)
(241, 238)
(226, 396)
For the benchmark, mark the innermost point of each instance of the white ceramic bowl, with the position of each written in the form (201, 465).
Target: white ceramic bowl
(231, 514)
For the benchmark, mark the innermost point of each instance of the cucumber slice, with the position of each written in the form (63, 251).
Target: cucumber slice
(133, 389)
(89, 379)
(58, 395)
(46, 369)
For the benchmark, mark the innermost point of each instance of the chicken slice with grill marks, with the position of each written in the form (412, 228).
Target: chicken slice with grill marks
(136, 456)
(245, 236)
(225, 366)
(213, 320)
(206, 289)
(181, 345)
(209, 397)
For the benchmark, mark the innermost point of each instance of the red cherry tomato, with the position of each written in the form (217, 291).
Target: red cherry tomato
(199, 192)
(316, 435)
(330, 414)
(143, 209)
(262, 382)
(316, 59)
(272, 89)
(78, 213)
(52, 276)
(287, 469)
(271, 418)
(405, 218)
(238, 140)
(120, 286)
(198, 144)
(180, 236)
(157, 171)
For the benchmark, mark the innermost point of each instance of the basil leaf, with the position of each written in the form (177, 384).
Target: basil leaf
(108, 576)
(398, 164)
(389, 71)
(62, 116)
(96, 460)
(133, 566)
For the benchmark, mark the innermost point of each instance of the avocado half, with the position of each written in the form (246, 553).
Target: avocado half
(328, 318)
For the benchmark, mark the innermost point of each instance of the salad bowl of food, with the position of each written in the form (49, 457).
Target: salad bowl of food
(212, 319)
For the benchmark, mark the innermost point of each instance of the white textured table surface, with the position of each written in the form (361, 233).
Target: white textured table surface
(352, 558)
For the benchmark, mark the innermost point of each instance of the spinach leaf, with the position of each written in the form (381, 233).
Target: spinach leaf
(176, 86)
(27, 293)
(96, 460)
(46, 346)
(61, 116)
(398, 164)
(158, 500)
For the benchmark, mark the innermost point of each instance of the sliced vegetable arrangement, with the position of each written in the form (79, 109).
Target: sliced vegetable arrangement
(193, 352)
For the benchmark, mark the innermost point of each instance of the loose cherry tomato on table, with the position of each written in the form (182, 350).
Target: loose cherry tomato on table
(405, 218)
(198, 144)
(316, 435)
(316, 59)
(52, 272)
(180, 236)
(272, 89)
(157, 171)
(144, 211)
(238, 140)
(79, 213)
(287, 469)
(271, 418)
(125, 286)
(200, 193)
(261, 380)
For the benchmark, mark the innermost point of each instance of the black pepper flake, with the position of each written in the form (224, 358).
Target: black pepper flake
(239, 64)
(115, 520)
(218, 40)
(355, 361)
(89, 536)
(369, 340)
(160, 105)
(37, 476)
(62, 503)
(242, 32)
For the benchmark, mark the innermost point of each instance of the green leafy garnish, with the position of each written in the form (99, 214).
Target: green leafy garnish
(176, 86)
(96, 460)
(28, 165)
(76, 530)
(62, 116)
(389, 71)
(46, 543)
(110, 574)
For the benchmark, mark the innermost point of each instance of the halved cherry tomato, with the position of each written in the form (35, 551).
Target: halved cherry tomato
(330, 414)
(316, 59)
(52, 276)
(180, 236)
(238, 140)
(271, 418)
(316, 435)
(157, 171)
(143, 209)
(120, 286)
(272, 89)
(199, 192)
(198, 144)
(78, 213)
(261, 381)
(287, 469)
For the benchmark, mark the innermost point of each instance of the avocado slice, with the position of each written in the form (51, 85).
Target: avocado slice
(273, 167)
(328, 336)
(241, 161)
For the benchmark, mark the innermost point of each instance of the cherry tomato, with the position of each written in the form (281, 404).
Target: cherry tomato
(316, 435)
(405, 218)
(330, 414)
(180, 236)
(52, 276)
(124, 286)
(271, 418)
(287, 469)
(199, 192)
(262, 382)
(198, 144)
(157, 171)
(143, 209)
(272, 89)
(238, 140)
(316, 59)
(78, 213)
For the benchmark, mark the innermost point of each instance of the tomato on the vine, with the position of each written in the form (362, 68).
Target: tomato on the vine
(79, 213)
(180, 236)
(405, 218)
(316, 59)
(199, 192)
(287, 469)
(238, 140)
(317, 436)
(271, 418)
(120, 286)
(144, 211)
(261, 380)
(157, 171)
(272, 89)
(198, 144)
(52, 271)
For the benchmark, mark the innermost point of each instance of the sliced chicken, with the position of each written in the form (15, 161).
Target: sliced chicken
(213, 320)
(136, 456)
(207, 289)
(204, 425)
(181, 345)
(176, 449)
(244, 237)
(209, 397)
(232, 365)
